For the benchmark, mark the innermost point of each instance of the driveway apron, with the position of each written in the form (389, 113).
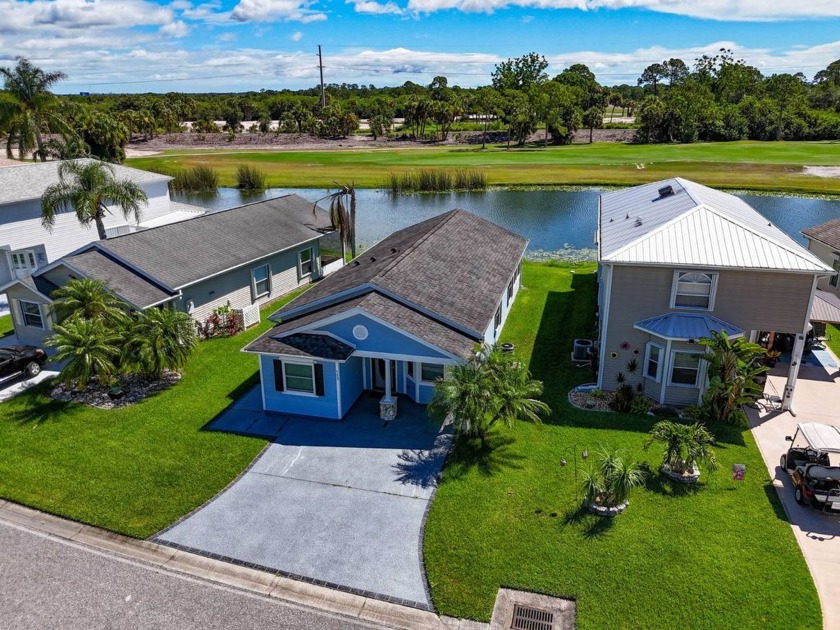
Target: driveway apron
(337, 503)
(817, 399)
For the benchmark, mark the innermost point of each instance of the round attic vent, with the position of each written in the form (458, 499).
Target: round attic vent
(360, 332)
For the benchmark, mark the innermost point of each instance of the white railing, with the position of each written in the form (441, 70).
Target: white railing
(248, 316)
(333, 266)
(118, 230)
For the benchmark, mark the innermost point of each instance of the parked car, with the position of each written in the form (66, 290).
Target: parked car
(15, 360)
(818, 485)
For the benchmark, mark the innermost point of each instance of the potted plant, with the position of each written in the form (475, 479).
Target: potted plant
(686, 447)
(608, 482)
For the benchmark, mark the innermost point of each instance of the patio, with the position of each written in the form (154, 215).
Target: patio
(817, 399)
(336, 503)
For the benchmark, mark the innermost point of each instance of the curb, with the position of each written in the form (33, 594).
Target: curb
(259, 582)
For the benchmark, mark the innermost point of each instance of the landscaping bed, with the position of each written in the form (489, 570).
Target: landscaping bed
(717, 554)
(136, 469)
(128, 390)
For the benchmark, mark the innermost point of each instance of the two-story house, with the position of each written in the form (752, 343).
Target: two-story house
(678, 260)
(824, 243)
(25, 245)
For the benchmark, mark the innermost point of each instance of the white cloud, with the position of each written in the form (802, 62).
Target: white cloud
(175, 29)
(724, 10)
(226, 37)
(296, 36)
(43, 15)
(375, 8)
(275, 10)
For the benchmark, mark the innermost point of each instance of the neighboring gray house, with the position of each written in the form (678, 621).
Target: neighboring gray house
(244, 256)
(824, 242)
(390, 321)
(678, 260)
(25, 245)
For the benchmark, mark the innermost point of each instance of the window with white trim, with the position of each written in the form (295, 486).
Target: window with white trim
(261, 281)
(410, 369)
(836, 266)
(299, 377)
(30, 312)
(497, 320)
(510, 290)
(23, 260)
(305, 262)
(430, 372)
(693, 289)
(685, 368)
(653, 361)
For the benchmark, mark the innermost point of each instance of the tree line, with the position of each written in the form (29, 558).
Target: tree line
(717, 98)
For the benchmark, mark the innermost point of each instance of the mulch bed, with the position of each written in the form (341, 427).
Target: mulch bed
(135, 389)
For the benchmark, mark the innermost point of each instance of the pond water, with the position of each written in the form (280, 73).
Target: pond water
(558, 223)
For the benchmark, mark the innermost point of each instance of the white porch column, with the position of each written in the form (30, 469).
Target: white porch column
(388, 385)
(793, 373)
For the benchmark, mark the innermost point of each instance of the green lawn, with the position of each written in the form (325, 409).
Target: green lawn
(833, 338)
(721, 557)
(769, 166)
(133, 470)
(6, 327)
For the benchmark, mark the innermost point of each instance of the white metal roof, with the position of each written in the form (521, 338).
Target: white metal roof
(29, 181)
(822, 437)
(696, 226)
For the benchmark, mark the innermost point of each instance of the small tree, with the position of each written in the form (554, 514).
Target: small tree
(89, 348)
(89, 299)
(734, 366)
(610, 478)
(686, 446)
(488, 388)
(162, 339)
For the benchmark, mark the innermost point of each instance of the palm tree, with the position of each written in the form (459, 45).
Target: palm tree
(686, 446)
(89, 347)
(28, 108)
(488, 388)
(734, 369)
(162, 340)
(343, 215)
(84, 186)
(89, 299)
(611, 478)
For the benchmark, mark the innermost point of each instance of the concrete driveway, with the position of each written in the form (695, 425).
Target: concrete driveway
(19, 384)
(336, 503)
(817, 399)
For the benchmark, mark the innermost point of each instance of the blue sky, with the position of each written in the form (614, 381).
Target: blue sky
(235, 45)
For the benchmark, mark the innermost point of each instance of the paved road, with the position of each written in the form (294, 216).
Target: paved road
(341, 502)
(47, 583)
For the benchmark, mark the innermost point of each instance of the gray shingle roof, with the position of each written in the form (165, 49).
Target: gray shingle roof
(29, 181)
(456, 265)
(384, 308)
(828, 233)
(303, 345)
(182, 253)
(120, 279)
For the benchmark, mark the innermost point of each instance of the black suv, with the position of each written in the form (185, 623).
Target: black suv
(15, 360)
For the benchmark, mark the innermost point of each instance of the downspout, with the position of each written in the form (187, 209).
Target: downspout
(605, 318)
(796, 355)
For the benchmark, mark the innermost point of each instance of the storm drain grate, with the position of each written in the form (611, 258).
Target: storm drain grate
(525, 618)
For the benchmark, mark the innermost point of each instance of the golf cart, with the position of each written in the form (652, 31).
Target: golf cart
(813, 462)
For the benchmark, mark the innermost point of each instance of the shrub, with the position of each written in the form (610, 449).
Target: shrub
(221, 323)
(198, 179)
(734, 368)
(686, 445)
(622, 399)
(610, 478)
(640, 405)
(437, 180)
(250, 178)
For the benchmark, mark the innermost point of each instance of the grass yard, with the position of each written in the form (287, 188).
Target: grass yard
(721, 557)
(137, 469)
(6, 327)
(832, 333)
(763, 166)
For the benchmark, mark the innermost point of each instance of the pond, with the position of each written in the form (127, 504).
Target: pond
(558, 223)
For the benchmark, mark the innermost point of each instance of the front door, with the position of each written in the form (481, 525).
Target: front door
(23, 262)
(378, 371)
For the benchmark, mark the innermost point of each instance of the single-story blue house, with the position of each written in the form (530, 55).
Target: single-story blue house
(392, 319)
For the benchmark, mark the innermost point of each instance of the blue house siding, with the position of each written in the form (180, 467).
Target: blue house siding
(325, 406)
(351, 382)
(380, 339)
(426, 392)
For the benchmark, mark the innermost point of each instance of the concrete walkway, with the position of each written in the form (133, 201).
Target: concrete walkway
(19, 384)
(817, 399)
(337, 503)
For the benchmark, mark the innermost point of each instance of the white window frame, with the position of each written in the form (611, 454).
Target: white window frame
(267, 268)
(437, 365)
(298, 392)
(836, 266)
(510, 289)
(659, 362)
(700, 372)
(23, 314)
(24, 254)
(311, 262)
(713, 276)
(498, 319)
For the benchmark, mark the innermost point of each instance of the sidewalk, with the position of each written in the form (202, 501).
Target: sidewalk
(257, 582)
(817, 399)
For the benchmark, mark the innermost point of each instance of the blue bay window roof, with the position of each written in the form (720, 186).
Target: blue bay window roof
(686, 326)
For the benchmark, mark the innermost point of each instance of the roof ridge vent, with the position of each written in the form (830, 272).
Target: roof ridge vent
(666, 191)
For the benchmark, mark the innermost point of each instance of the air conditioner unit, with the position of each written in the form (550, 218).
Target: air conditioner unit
(248, 316)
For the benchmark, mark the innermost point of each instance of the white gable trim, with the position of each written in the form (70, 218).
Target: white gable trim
(16, 281)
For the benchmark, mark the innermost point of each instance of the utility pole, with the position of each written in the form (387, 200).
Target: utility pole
(321, 68)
